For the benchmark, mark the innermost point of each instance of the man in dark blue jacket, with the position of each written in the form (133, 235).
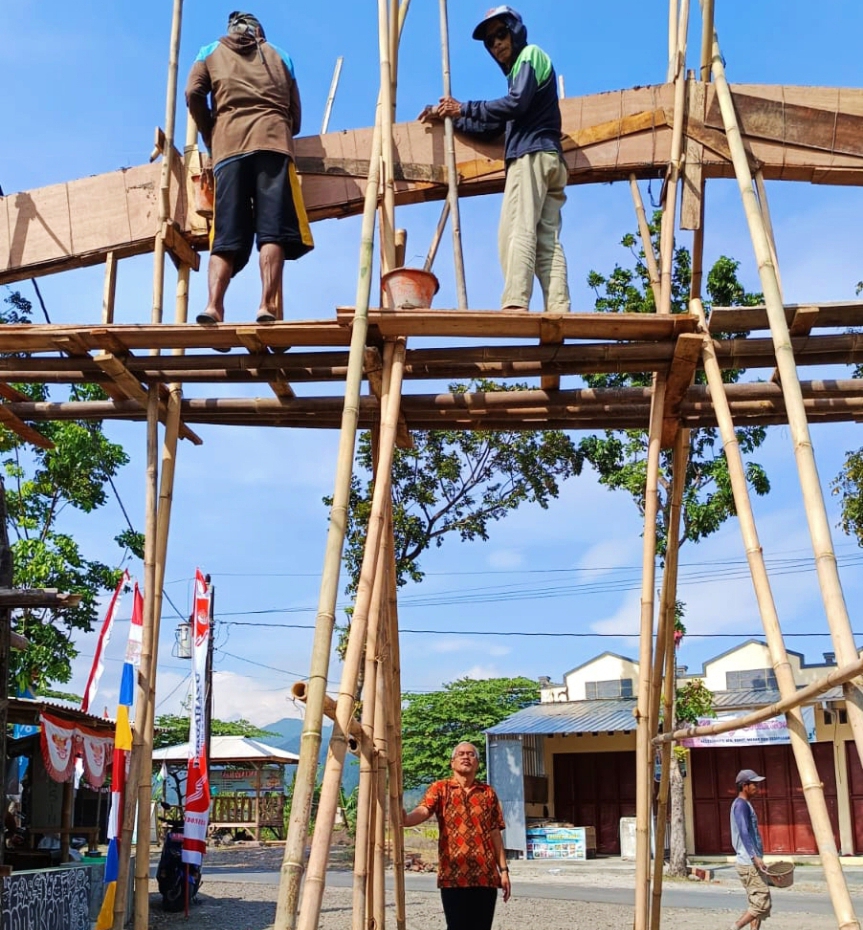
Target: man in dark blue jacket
(536, 174)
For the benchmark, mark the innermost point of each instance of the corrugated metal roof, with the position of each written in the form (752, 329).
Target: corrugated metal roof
(571, 717)
(229, 749)
(727, 700)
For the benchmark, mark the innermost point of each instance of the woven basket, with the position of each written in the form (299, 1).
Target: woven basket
(780, 874)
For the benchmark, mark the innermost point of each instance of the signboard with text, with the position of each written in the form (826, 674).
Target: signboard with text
(766, 733)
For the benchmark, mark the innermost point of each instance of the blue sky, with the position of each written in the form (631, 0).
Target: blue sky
(85, 87)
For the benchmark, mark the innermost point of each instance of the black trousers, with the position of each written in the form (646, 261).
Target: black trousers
(468, 908)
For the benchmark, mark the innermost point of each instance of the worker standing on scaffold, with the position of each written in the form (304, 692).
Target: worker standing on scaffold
(249, 131)
(536, 174)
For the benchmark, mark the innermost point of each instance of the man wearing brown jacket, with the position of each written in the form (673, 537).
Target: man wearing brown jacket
(243, 96)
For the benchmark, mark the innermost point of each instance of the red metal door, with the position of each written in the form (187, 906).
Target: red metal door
(781, 807)
(595, 789)
(855, 790)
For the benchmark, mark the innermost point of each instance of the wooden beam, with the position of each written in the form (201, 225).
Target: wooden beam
(550, 334)
(687, 353)
(250, 338)
(178, 248)
(832, 314)
(693, 165)
(21, 429)
(37, 597)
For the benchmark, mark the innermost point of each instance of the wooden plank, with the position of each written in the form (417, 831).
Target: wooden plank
(503, 324)
(250, 338)
(70, 342)
(122, 377)
(693, 173)
(805, 318)
(181, 252)
(39, 225)
(832, 314)
(687, 352)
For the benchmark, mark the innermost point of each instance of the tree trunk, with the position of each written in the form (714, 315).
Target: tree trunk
(677, 866)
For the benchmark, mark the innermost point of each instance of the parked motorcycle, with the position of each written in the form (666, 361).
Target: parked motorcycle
(172, 871)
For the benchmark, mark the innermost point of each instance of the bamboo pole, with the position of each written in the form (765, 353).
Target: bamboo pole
(800, 698)
(394, 719)
(663, 666)
(451, 167)
(331, 96)
(365, 798)
(300, 692)
(761, 194)
(673, 37)
(707, 19)
(167, 162)
(316, 871)
(381, 757)
(813, 498)
(387, 227)
(646, 241)
(138, 754)
(436, 238)
(813, 791)
(310, 740)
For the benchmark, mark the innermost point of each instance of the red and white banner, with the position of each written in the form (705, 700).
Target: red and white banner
(62, 742)
(197, 808)
(104, 638)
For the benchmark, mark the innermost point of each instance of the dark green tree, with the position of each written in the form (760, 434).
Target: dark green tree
(620, 457)
(457, 483)
(173, 729)
(40, 485)
(433, 723)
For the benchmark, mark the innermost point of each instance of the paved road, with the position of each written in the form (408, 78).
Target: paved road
(704, 897)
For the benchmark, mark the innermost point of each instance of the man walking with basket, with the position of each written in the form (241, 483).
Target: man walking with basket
(746, 839)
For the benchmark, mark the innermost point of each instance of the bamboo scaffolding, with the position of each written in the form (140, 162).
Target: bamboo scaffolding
(813, 498)
(451, 167)
(137, 757)
(813, 791)
(363, 886)
(316, 871)
(394, 720)
(387, 156)
(647, 242)
(381, 756)
(645, 725)
(310, 740)
(300, 692)
(436, 238)
(331, 96)
(663, 665)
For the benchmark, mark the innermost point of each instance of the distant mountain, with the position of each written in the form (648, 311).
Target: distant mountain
(288, 731)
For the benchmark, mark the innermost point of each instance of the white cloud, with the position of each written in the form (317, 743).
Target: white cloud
(479, 672)
(243, 696)
(505, 559)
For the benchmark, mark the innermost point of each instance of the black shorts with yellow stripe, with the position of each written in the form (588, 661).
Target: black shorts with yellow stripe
(258, 195)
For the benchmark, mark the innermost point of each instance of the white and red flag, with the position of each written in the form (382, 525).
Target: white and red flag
(197, 808)
(102, 644)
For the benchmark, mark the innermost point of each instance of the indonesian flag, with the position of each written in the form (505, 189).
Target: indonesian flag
(197, 810)
(101, 645)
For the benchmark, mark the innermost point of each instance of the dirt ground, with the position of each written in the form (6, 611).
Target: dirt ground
(251, 906)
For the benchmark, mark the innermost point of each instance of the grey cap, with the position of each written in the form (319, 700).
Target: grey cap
(748, 775)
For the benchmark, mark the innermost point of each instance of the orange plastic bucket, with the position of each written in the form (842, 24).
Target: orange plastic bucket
(204, 190)
(409, 288)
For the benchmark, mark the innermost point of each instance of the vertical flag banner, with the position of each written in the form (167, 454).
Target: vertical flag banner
(119, 770)
(104, 638)
(197, 808)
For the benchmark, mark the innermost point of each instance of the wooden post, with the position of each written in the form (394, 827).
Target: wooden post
(813, 498)
(66, 816)
(109, 290)
(663, 665)
(316, 871)
(813, 790)
(451, 167)
(310, 740)
(139, 758)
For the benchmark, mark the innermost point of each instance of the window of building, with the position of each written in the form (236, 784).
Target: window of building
(753, 679)
(603, 690)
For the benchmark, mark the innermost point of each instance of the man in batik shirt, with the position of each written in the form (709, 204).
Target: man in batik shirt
(471, 858)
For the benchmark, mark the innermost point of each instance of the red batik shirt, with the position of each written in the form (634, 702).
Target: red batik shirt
(466, 818)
